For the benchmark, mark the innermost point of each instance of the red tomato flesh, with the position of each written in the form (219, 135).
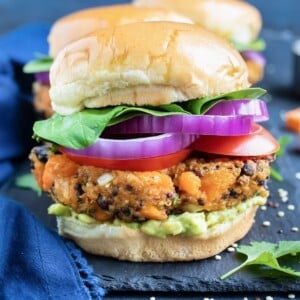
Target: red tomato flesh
(142, 164)
(258, 143)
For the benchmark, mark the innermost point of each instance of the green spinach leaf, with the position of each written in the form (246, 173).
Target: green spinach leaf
(41, 64)
(267, 254)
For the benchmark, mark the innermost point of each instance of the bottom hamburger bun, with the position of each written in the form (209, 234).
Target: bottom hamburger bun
(124, 243)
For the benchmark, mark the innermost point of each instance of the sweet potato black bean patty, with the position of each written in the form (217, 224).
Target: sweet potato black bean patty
(196, 184)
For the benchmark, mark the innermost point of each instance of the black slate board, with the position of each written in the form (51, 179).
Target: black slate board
(203, 276)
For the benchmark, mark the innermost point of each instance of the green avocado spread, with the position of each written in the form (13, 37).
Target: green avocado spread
(186, 224)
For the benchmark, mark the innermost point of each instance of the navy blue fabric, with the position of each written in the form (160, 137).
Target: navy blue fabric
(22, 44)
(16, 111)
(35, 263)
(9, 129)
(6, 169)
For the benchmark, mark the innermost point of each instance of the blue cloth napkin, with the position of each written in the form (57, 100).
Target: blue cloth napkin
(16, 111)
(23, 43)
(35, 263)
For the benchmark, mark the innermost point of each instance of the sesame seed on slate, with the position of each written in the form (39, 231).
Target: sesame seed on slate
(266, 223)
(291, 207)
(283, 192)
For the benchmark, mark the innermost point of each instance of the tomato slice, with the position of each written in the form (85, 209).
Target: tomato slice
(142, 164)
(258, 143)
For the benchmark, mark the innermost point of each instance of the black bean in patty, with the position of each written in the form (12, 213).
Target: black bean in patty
(41, 153)
(79, 190)
(126, 211)
(129, 187)
(233, 194)
(115, 191)
(104, 203)
(247, 170)
(263, 183)
(201, 202)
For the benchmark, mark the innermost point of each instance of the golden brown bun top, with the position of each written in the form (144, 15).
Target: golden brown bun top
(233, 19)
(77, 25)
(147, 63)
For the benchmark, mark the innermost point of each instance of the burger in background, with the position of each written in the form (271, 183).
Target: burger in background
(237, 21)
(76, 25)
(156, 154)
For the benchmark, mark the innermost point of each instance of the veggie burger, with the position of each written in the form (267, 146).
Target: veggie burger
(155, 152)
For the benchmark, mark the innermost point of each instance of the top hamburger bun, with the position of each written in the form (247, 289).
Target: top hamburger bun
(76, 25)
(81, 23)
(233, 19)
(130, 65)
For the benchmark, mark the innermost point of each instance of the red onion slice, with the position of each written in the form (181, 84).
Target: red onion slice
(42, 77)
(234, 117)
(136, 148)
(187, 124)
(255, 56)
(255, 108)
